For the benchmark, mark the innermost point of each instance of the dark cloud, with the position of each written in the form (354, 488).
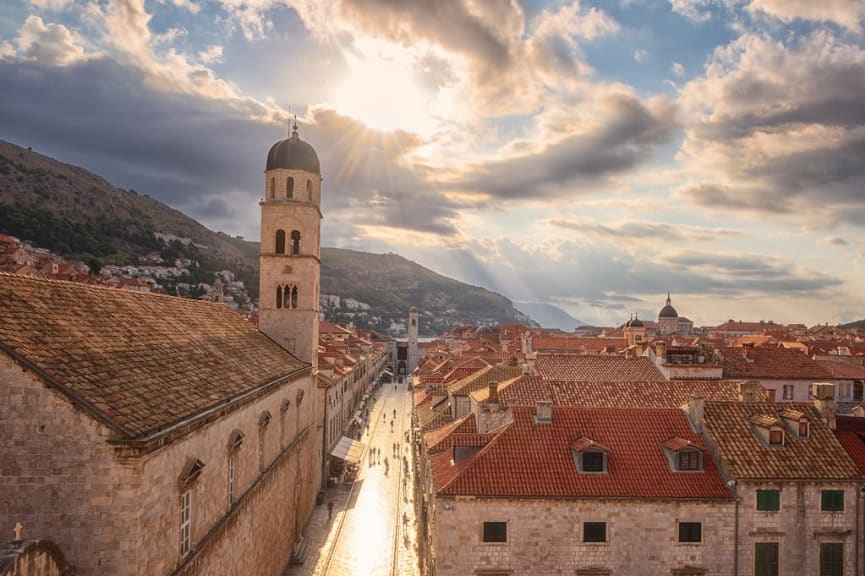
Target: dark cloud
(206, 157)
(642, 229)
(631, 132)
(782, 126)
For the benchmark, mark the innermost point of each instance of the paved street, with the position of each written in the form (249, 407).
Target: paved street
(372, 531)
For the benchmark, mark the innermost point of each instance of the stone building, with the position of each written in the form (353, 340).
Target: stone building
(798, 493)
(669, 321)
(148, 434)
(577, 491)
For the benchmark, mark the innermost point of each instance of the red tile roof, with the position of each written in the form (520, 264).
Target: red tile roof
(440, 438)
(596, 368)
(524, 459)
(840, 370)
(144, 361)
(744, 455)
(575, 344)
(770, 363)
(526, 391)
(483, 378)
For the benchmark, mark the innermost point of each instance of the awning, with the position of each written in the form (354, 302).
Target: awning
(348, 450)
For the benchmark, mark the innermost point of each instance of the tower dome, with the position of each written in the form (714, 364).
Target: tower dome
(293, 154)
(668, 311)
(634, 323)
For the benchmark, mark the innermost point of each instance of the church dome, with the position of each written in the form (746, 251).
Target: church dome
(668, 311)
(293, 154)
(634, 323)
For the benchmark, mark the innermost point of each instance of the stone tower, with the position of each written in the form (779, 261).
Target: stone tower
(289, 257)
(412, 339)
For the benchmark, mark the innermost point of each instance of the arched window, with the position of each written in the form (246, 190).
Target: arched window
(309, 189)
(272, 187)
(280, 241)
(295, 243)
(289, 187)
(279, 297)
(294, 297)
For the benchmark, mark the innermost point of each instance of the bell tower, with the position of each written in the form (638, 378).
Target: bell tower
(412, 339)
(290, 255)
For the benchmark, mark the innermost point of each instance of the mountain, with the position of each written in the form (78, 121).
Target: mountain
(548, 316)
(856, 324)
(80, 215)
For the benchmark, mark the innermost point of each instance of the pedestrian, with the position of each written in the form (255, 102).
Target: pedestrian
(329, 510)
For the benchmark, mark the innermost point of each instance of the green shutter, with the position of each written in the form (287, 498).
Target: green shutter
(832, 500)
(831, 559)
(768, 499)
(766, 559)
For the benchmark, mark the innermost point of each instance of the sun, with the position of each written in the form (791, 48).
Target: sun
(380, 90)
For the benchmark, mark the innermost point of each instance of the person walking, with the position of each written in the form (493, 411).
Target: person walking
(329, 510)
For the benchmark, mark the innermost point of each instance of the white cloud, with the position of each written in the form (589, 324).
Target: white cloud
(848, 14)
(211, 54)
(6, 50)
(677, 69)
(640, 55)
(51, 44)
(53, 5)
(694, 10)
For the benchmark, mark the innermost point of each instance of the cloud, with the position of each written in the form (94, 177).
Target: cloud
(588, 146)
(848, 14)
(640, 55)
(52, 5)
(49, 43)
(618, 232)
(211, 54)
(777, 129)
(835, 241)
(677, 69)
(693, 10)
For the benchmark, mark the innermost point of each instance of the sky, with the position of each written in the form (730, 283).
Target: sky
(593, 155)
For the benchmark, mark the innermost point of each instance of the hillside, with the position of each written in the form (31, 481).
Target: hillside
(390, 284)
(80, 215)
(548, 316)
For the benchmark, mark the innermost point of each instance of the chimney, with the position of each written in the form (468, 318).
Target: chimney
(494, 393)
(527, 344)
(661, 351)
(748, 391)
(824, 402)
(544, 412)
(696, 404)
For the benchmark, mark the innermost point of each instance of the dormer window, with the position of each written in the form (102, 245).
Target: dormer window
(776, 437)
(682, 455)
(769, 429)
(797, 423)
(589, 456)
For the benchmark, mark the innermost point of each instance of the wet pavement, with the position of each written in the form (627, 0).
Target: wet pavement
(373, 530)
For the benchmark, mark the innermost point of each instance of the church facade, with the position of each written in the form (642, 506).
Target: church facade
(148, 434)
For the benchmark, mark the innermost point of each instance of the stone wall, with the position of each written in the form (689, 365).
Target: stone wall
(546, 536)
(798, 527)
(58, 476)
(62, 481)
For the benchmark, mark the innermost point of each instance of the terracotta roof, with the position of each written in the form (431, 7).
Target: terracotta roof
(440, 438)
(535, 460)
(850, 432)
(770, 363)
(745, 456)
(483, 378)
(840, 370)
(596, 368)
(577, 344)
(527, 390)
(144, 361)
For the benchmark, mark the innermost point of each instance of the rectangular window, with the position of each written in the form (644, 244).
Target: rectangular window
(832, 500)
(766, 559)
(788, 392)
(844, 390)
(690, 532)
(768, 499)
(185, 521)
(594, 531)
(803, 430)
(495, 532)
(689, 460)
(593, 462)
(831, 559)
(776, 437)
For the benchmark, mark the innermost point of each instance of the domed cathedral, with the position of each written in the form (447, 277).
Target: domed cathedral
(290, 256)
(669, 321)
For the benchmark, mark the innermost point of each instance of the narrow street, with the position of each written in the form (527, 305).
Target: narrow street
(373, 529)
